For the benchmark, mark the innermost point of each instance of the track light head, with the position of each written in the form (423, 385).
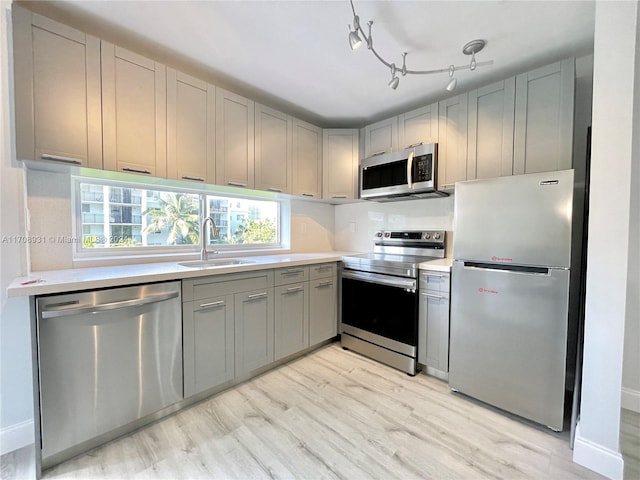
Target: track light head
(453, 82)
(354, 40)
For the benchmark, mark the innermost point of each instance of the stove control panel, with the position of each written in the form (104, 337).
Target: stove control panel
(424, 238)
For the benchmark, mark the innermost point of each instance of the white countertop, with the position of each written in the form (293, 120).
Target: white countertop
(71, 280)
(438, 265)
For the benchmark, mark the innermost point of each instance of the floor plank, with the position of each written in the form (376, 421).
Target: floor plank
(337, 415)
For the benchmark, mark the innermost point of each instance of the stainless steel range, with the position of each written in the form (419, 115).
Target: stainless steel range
(380, 296)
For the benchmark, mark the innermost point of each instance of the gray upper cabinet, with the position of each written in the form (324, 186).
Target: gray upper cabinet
(191, 105)
(452, 142)
(273, 131)
(544, 118)
(234, 139)
(340, 163)
(307, 159)
(57, 92)
(490, 130)
(134, 112)
(381, 137)
(418, 126)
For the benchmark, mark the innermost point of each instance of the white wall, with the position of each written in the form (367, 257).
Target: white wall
(16, 397)
(615, 48)
(356, 223)
(631, 364)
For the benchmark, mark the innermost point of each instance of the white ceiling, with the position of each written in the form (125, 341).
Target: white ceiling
(297, 53)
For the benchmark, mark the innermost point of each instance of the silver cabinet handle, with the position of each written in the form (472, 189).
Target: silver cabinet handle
(308, 195)
(447, 185)
(338, 196)
(257, 295)
(433, 275)
(324, 284)
(293, 271)
(431, 295)
(378, 153)
(136, 170)
(212, 304)
(61, 159)
(197, 179)
(237, 184)
(322, 268)
(273, 189)
(295, 289)
(413, 145)
(65, 310)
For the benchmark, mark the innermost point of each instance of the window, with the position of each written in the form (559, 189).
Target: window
(114, 215)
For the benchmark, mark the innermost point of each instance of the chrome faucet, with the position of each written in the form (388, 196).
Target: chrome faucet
(203, 239)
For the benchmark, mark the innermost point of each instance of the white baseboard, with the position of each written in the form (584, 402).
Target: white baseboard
(630, 399)
(16, 436)
(597, 458)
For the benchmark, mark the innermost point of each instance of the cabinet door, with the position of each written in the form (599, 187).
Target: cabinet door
(208, 343)
(134, 109)
(191, 131)
(273, 150)
(433, 330)
(340, 163)
(307, 159)
(323, 323)
(452, 144)
(234, 139)
(57, 92)
(291, 319)
(544, 118)
(490, 132)
(418, 126)
(253, 330)
(381, 137)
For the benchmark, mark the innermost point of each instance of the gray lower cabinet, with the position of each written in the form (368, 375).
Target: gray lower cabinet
(433, 324)
(254, 324)
(323, 305)
(208, 341)
(292, 319)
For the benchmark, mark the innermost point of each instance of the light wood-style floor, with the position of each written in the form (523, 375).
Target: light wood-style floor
(333, 414)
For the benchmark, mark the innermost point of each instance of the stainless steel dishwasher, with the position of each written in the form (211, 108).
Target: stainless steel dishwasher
(106, 359)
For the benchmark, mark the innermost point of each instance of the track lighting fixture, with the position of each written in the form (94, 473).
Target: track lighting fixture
(357, 34)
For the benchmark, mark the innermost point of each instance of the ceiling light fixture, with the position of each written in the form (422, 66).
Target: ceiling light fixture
(453, 83)
(471, 48)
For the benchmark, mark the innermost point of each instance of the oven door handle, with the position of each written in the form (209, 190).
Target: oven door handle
(404, 283)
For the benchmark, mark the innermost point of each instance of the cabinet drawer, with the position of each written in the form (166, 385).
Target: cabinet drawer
(218, 285)
(434, 280)
(284, 276)
(323, 270)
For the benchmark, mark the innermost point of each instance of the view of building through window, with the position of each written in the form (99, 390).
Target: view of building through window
(125, 216)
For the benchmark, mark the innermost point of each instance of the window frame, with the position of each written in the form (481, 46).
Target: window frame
(81, 253)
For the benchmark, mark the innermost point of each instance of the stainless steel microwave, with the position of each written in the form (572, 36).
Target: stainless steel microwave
(391, 176)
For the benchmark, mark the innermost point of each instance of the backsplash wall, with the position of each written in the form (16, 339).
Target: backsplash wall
(355, 223)
(50, 211)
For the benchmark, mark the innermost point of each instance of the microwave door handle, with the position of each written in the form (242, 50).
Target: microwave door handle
(410, 169)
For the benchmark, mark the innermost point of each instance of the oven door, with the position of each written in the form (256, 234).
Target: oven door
(379, 307)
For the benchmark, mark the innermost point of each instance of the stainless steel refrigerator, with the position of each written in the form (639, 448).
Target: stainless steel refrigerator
(510, 293)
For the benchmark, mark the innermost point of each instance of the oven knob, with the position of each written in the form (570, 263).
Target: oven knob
(387, 234)
(427, 236)
(378, 234)
(436, 236)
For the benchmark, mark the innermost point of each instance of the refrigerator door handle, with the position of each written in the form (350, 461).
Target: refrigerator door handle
(507, 268)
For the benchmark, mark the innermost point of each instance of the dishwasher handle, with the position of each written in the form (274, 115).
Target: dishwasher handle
(66, 310)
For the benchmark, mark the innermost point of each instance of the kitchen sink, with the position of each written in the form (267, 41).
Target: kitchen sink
(214, 262)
